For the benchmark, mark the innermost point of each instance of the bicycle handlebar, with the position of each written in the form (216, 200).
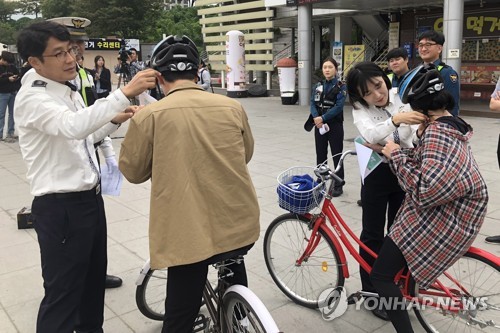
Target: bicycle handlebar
(324, 172)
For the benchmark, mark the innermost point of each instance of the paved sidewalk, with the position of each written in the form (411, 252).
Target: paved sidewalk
(281, 143)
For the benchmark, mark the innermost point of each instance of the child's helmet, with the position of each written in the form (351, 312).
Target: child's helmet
(420, 82)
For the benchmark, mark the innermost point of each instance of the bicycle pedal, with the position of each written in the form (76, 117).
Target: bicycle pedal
(354, 298)
(200, 324)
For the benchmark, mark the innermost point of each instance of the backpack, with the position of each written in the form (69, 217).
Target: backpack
(201, 78)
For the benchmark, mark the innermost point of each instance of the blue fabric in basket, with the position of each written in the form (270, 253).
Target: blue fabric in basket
(290, 197)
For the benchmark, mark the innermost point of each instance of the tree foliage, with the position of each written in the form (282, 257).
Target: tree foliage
(7, 9)
(7, 34)
(30, 7)
(179, 21)
(57, 8)
(122, 18)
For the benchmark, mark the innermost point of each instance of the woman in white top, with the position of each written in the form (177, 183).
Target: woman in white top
(379, 116)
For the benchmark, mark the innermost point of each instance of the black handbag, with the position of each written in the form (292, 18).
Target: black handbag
(309, 124)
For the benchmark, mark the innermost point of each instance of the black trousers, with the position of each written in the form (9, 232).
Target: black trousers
(387, 265)
(71, 230)
(335, 137)
(185, 285)
(381, 197)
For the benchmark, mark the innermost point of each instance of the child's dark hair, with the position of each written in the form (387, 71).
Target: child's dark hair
(357, 79)
(32, 41)
(440, 100)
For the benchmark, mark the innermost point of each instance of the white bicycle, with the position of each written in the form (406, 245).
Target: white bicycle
(230, 309)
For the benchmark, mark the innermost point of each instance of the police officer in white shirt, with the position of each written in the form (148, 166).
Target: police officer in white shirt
(85, 85)
(56, 137)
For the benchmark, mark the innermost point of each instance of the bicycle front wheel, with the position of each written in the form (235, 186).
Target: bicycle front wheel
(243, 311)
(285, 241)
(151, 294)
(475, 281)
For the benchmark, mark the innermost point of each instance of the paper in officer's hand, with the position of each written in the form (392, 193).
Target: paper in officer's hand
(368, 159)
(111, 180)
(324, 129)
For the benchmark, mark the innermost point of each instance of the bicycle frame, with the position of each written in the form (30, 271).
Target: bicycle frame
(212, 302)
(213, 298)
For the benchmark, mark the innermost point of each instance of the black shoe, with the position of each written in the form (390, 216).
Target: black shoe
(382, 314)
(337, 191)
(493, 239)
(113, 281)
(359, 202)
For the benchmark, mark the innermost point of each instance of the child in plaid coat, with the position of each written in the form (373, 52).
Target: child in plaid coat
(446, 197)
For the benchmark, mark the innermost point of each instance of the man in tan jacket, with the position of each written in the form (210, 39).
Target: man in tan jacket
(194, 146)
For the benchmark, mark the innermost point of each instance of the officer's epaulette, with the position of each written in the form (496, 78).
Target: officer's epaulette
(39, 83)
(444, 65)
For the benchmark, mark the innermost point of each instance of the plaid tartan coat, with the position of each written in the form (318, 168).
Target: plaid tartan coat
(445, 203)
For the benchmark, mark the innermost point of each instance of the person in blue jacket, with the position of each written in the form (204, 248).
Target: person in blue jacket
(430, 46)
(327, 111)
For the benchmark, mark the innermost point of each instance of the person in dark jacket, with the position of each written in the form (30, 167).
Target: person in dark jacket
(327, 111)
(9, 85)
(102, 77)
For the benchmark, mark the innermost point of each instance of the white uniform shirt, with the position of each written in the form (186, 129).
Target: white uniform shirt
(57, 132)
(376, 126)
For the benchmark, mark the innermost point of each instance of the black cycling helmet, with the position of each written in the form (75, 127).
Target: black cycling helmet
(175, 54)
(420, 82)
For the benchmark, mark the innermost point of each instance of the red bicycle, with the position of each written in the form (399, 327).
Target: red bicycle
(305, 256)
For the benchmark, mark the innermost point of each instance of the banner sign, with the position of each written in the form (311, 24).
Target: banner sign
(352, 55)
(107, 44)
(476, 25)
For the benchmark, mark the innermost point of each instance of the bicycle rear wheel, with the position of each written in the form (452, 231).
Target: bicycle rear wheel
(285, 241)
(476, 281)
(244, 312)
(151, 294)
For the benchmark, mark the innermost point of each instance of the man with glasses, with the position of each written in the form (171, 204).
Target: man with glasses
(133, 64)
(85, 85)
(430, 45)
(56, 137)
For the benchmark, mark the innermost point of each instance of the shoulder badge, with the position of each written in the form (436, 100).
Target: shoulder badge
(39, 83)
(453, 78)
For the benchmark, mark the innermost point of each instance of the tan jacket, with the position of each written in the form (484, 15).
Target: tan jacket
(194, 146)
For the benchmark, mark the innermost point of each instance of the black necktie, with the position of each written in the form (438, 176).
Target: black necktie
(395, 134)
(70, 85)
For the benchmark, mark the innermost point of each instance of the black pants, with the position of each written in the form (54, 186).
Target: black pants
(381, 197)
(336, 139)
(387, 265)
(71, 230)
(185, 290)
